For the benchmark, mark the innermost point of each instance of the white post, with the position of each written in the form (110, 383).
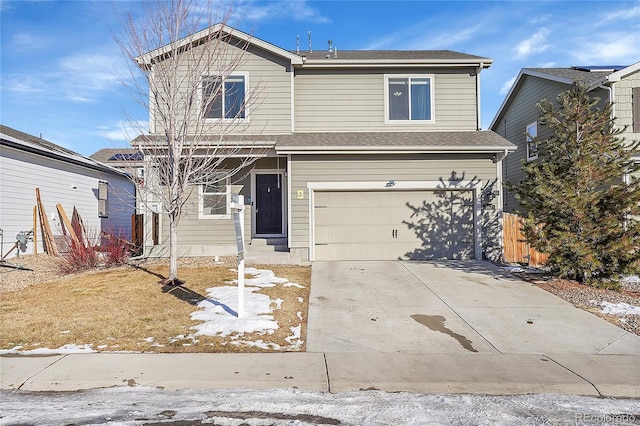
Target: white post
(237, 206)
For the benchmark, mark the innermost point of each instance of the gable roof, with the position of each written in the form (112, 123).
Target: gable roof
(150, 57)
(325, 59)
(590, 76)
(36, 145)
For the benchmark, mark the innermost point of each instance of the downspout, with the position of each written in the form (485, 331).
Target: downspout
(293, 96)
(612, 95)
(478, 108)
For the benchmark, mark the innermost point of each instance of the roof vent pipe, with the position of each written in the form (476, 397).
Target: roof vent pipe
(309, 36)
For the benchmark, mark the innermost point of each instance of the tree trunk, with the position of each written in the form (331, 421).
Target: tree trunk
(173, 249)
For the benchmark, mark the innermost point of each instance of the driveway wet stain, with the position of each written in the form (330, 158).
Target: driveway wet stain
(436, 323)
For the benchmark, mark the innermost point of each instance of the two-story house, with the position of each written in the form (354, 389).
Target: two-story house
(518, 115)
(366, 155)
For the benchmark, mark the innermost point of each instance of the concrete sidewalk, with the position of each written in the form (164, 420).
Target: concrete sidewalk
(430, 327)
(493, 374)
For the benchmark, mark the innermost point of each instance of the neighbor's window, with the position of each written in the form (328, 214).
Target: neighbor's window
(224, 97)
(103, 193)
(215, 197)
(532, 145)
(410, 98)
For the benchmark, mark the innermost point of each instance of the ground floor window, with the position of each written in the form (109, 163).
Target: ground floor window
(214, 197)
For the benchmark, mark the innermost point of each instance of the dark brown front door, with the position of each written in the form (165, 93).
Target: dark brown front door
(268, 204)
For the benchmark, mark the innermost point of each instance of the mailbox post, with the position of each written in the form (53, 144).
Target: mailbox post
(237, 208)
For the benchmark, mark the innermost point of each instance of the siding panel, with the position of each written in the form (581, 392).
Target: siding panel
(59, 182)
(354, 101)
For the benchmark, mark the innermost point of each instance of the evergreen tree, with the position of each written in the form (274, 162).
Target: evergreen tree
(581, 204)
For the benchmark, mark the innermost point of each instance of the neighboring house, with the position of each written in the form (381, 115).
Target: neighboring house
(128, 159)
(102, 195)
(518, 116)
(367, 155)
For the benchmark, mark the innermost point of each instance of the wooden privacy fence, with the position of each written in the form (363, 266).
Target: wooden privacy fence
(516, 248)
(137, 230)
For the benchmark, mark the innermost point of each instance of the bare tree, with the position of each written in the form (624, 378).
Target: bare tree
(183, 64)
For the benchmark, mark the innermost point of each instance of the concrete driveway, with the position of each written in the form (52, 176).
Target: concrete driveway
(454, 307)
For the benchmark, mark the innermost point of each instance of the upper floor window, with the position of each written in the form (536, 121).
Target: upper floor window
(532, 144)
(409, 98)
(215, 197)
(224, 97)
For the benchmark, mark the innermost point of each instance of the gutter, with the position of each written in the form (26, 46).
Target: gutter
(79, 161)
(363, 63)
(395, 150)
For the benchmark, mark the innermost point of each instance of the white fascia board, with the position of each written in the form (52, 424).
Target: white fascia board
(394, 150)
(147, 57)
(394, 63)
(618, 75)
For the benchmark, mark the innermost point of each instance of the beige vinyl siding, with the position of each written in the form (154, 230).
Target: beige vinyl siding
(624, 104)
(372, 168)
(520, 112)
(353, 100)
(196, 232)
(268, 90)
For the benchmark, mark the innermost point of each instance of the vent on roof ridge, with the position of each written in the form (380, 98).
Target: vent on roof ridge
(598, 68)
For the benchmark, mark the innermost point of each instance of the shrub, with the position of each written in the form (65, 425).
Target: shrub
(77, 257)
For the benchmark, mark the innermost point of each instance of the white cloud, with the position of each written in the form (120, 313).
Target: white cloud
(615, 48)
(534, 44)
(446, 40)
(507, 86)
(621, 15)
(77, 77)
(95, 71)
(294, 10)
(32, 42)
(123, 130)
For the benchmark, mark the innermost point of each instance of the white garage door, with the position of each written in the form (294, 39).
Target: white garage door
(391, 225)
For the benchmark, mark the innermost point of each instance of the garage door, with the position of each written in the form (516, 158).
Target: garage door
(391, 225)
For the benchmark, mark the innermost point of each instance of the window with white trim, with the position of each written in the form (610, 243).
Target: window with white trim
(224, 97)
(214, 197)
(532, 144)
(409, 98)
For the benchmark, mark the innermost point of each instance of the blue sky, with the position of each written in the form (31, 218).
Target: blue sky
(60, 64)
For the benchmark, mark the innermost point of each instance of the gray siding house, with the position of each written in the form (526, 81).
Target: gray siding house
(64, 177)
(518, 114)
(366, 155)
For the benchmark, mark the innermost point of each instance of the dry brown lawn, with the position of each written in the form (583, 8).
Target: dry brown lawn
(121, 309)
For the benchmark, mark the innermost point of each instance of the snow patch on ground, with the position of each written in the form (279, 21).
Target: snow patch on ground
(521, 269)
(617, 309)
(219, 312)
(66, 349)
(128, 405)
